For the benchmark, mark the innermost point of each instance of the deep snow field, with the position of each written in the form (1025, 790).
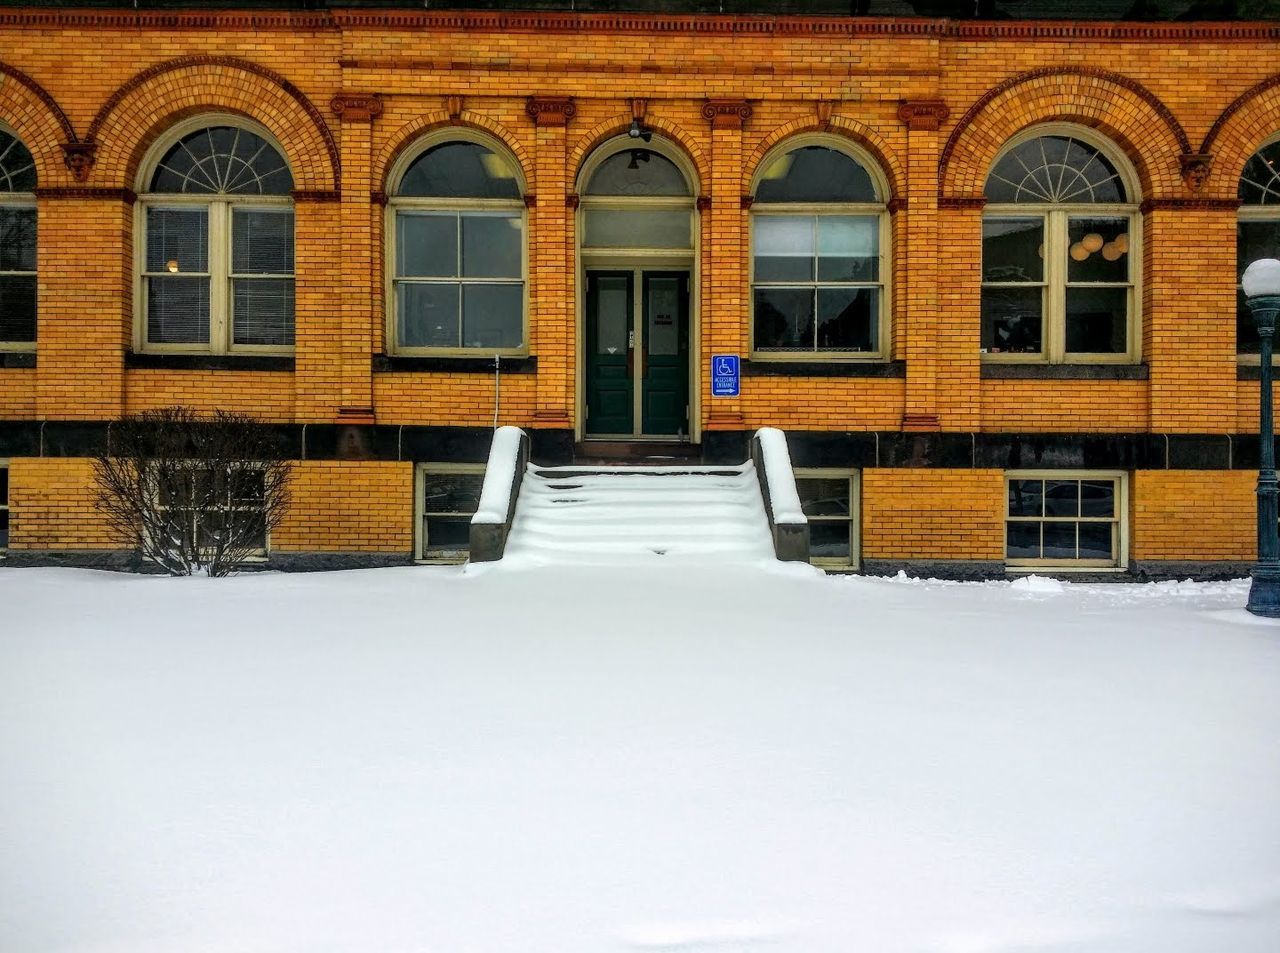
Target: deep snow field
(753, 759)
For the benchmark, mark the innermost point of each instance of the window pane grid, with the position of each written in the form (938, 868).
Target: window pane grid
(794, 254)
(471, 296)
(1063, 520)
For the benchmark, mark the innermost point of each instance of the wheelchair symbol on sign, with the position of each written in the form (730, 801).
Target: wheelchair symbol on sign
(724, 367)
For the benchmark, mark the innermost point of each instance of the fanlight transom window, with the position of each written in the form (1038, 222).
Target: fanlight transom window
(1257, 231)
(815, 174)
(1058, 169)
(818, 228)
(638, 172)
(457, 262)
(461, 170)
(636, 199)
(223, 160)
(17, 168)
(17, 245)
(1059, 240)
(218, 232)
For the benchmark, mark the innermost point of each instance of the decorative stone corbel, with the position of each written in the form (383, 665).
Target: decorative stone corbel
(79, 158)
(572, 200)
(453, 106)
(923, 114)
(356, 107)
(639, 108)
(1196, 167)
(550, 110)
(746, 201)
(822, 110)
(726, 113)
(703, 203)
(530, 200)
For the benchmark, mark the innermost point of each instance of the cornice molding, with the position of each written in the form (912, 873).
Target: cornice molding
(59, 192)
(316, 195)
(1192, 205)
(550, 110)
(962, 202)
(645, 23)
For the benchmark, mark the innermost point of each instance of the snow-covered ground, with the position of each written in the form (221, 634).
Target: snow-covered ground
(564, 760)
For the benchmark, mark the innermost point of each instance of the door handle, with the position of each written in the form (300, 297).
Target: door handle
(631, 352)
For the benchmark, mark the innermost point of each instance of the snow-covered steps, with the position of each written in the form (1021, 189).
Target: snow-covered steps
(613, 514)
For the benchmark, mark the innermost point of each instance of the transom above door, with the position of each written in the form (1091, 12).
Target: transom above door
(637, 367)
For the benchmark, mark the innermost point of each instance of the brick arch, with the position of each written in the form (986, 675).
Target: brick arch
(1120, 108)
(37, 119)
(603, 131)
(404, 138)
(1252, 119)
(139, 111)
(839, 126)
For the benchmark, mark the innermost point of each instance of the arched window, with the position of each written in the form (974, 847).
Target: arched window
(1257, 230)
(819, 234)
(1059, 242)
(217, 223)
(457, 251)
(17, 245)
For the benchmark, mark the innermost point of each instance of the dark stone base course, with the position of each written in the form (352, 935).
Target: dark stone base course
(1161, 570)
(809, 448)
(327, 562)
(960, 570)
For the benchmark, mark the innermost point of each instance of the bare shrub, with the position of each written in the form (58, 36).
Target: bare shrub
(194, 494)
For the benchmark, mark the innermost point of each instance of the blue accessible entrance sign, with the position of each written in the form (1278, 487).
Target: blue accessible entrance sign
(725, 379)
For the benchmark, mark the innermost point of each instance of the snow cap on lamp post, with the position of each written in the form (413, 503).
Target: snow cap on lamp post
(1261, 284)
(1262, 277)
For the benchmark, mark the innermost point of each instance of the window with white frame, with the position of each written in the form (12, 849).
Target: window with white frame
(196, 503)
(448, 496)
(1059, 246)
(1257, 231)
(4, 506)
(456, 225)
(1057, 519)
(17, 245)
(819, 231)
(217, 250)
(829, 500)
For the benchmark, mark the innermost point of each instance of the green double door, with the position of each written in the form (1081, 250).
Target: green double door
(637, 367)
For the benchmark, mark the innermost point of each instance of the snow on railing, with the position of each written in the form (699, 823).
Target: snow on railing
(508, 458)
(787, 521)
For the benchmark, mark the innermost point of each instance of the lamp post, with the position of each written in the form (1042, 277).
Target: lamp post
(1261, 283)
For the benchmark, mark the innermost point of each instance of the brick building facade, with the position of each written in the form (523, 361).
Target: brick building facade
(1140, 401)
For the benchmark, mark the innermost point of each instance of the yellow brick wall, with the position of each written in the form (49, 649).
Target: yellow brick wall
(1193, 515)
(51, 506)
(933, 514)
(121, 78)
(339, 506)
(283, 70)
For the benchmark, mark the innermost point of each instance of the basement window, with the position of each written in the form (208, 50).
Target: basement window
(4, 507)
(829, 499)
(1065, 520)
(448, 496)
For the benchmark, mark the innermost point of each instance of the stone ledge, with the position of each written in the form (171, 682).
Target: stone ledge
(1066, 372)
